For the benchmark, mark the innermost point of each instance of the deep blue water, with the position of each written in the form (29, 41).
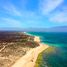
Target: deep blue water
(57, 57)
(52, 38)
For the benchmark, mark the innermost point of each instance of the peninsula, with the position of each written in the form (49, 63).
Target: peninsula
(18, 49)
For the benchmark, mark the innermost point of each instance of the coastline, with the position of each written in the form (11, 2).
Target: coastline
(30, 58)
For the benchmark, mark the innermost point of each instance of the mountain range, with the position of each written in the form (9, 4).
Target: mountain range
(52, 29)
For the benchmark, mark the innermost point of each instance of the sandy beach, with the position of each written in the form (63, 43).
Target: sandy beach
(30, 58)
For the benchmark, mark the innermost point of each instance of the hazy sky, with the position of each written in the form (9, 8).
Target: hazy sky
(33, 13)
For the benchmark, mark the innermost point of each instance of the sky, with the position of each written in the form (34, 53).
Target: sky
(32, 13)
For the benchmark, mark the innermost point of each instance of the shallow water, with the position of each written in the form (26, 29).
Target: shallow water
(58, 56)
(55, 58)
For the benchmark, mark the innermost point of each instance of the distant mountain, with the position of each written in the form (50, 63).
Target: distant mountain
(57, 29)
(52, 29)
(24, 29)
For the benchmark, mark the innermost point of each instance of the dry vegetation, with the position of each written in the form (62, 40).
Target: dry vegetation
(14, 45)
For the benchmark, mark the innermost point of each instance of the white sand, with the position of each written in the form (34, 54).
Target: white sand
(30, 58)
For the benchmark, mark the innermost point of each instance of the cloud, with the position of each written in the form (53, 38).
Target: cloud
(11, 22)
(60, 17)
(21, 11)
(11, 9)
(47, 6)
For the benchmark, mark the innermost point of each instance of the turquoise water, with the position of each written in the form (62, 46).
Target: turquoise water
(58, 57)
(52, 39)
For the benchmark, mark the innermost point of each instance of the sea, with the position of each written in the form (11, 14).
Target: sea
(56, 55)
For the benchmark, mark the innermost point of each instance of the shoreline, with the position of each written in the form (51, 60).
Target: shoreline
(30, 58)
